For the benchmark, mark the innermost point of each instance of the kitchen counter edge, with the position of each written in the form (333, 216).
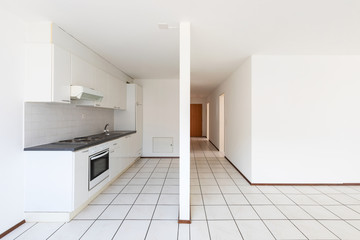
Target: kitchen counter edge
(75, 147)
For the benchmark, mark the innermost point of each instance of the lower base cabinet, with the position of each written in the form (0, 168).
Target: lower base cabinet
(56, 182)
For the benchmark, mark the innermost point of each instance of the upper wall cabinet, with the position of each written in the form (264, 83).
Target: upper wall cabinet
(82, 73)
(48, 73)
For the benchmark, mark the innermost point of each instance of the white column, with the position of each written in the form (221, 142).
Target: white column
(184, 188)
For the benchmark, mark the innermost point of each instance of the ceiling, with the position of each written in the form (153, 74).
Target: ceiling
(224, 33)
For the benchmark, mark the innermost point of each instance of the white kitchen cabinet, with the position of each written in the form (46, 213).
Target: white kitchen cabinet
(117, 93)
(82, 73)
(103, 85)
(81, 166)
(48, 69)
(132, 118)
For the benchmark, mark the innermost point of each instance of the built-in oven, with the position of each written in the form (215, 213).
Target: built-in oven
(98, 166)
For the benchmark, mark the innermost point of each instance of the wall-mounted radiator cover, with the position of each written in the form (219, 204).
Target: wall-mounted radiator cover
(163, 145)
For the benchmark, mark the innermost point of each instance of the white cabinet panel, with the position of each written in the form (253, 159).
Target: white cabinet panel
(162, 144)
(61, 80)
(48, 73)
(82, 73)
(117, 93)
(81, 166)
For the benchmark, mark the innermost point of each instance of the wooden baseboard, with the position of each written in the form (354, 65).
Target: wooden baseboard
(184, 221)
(238, 170)
(12, 229)
(291, 184)
(213, 145)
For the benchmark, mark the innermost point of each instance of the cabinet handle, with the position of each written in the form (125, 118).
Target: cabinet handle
(65, 100)
(97, 105)
(114, 144)
(112, 151)
(85, 151)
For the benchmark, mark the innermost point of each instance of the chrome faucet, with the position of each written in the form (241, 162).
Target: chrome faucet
(106, 130)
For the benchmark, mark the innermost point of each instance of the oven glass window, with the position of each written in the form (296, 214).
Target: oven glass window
(98, 166)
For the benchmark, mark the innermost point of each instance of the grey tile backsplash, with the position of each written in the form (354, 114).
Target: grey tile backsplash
(50, 122)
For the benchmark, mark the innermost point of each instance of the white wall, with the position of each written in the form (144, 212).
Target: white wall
(292, 119)
(306, 119)
(237, 89)
(203, 102)
(160, 113)
(12, 75)
(51, 122)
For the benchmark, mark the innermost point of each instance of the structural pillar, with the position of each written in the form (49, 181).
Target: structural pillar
(184, 82)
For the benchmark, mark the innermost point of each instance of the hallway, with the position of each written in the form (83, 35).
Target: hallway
(143, 204)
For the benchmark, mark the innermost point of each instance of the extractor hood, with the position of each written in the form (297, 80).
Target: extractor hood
(85, 93)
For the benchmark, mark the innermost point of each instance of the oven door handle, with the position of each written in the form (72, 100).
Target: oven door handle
(99, 156)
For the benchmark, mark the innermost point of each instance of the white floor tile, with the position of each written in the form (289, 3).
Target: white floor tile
(72, 230)
(354, 223)
(322, 199)
(184, 232)
(343, 212)
(132, 229)
(254, 230)
(104, 228)
(344, 199)
(197, 213)
(269, 212)
(279, 199)
(294, 212)
(104, 198)
(147, 199)
(141, 212)
(91, 212)
(224, 230)
(313, 229)
(249, 189)
(162, 230)
(235, 199)
(341, 229)
(39, 231)
(257, 199)
(166, 212)
(199, 230)
(243, 212)
(114, 189)
(169, 199)
(115, 212)
(132, 189)
(125, 198)
(268, 189)
(151, 189)
(218, 213)
(170, 190)
(214, 199)
(155, 181)
(301, 199)
(319, 212)
(284, 229)
(210, 190)
(229, 189)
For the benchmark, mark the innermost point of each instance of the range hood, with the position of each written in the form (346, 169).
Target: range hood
(85, 93)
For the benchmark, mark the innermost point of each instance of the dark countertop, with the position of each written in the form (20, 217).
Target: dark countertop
(75, 146)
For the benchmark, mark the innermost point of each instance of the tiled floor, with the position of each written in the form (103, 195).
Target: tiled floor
(143, 204)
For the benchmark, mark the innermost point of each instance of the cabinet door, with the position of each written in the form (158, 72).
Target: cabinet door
(122, 94)
(81, 178)
(102, 84)
(61, 75)
(82, 73)
(117, 93)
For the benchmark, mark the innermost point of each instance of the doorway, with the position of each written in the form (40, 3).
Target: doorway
(222, 123)
(195, 120)
(208, 121)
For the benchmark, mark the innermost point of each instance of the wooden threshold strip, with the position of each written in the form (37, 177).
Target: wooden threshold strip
(12, 229)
